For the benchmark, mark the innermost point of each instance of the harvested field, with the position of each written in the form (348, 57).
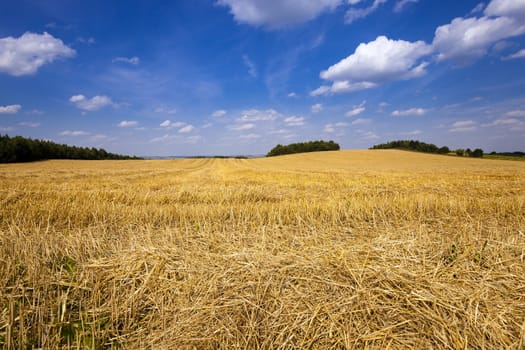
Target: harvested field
(333, 250)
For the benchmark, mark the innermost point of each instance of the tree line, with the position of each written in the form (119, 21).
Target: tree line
(302, 147)
(21, 149)
(418, 146)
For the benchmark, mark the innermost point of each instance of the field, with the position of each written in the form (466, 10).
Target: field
(334, 250)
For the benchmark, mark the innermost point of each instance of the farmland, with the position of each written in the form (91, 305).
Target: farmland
(349, 249)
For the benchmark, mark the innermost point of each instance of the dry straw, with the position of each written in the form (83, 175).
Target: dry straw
(342, 250)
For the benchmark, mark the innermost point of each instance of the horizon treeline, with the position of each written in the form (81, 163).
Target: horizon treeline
(21, 149)
(303, 147)
(418, 146)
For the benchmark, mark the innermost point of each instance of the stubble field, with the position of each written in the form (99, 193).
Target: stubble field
(333, 250)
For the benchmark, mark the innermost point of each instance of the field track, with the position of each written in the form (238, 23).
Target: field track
(332, 250)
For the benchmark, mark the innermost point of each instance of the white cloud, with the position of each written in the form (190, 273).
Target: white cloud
(378, 61)
(277, 13)
(519, 54)
(170, 125)
(128, 123)
(239, 127)
(6, 128)
(99, 137)
(478, 9)
(400, 5)
(361, 121)
(516, 113)
(131, 60)
(340, 87)
(252, 69)
(186, 129)
(316, 108)
(410, 112)
(512, 124)
(356, 110)
(91, 104)
(250, 136)
(370, 135)
(83, 40)
(341, 124)
(74, 133)
(218, 113)
(381, 60)
(10, 109)
(294, 121)
(463, 126)
(30, 124)
(255, 115)
(163, 110)
(413, 133)
(329, 128)
(354, 14)
(466, 39)
(36, 112)
(26, 54)
(508, 8)
(292, 94)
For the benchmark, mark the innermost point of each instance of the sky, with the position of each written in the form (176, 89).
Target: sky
(237, 77)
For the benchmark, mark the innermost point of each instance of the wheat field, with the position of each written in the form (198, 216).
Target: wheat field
(332, 250)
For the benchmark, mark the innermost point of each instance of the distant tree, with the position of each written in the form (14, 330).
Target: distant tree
(460, 152)
(468, 152)
(477, 153)
(311, 146)
(413, 145)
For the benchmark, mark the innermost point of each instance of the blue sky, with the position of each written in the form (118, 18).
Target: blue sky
(206, 77)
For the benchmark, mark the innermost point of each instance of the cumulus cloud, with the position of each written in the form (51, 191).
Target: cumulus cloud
(275, 14)
(400, 5)
(10, 109)
(130, 60)
(354, 14)
(170, 125)
(316, 108)
(381, 60)
(240, 127)
(356, 110)
(294, 121)
(255, 115)
(378, 61)
(410, 112)
(128, 123)
(463, 126)
(74, 133)
(26, 54)
(508, 8)
(91, 104)
(186, 129)
(467, 39)
(218, 113)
